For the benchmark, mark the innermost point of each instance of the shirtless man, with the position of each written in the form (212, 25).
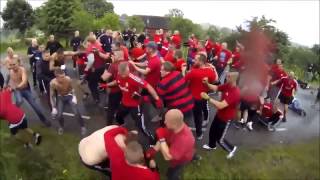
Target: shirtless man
(62, 87)
(10, 55)
(18, 81)
(57, 60)
(116, 146)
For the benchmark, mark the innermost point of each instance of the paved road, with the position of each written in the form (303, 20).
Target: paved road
(297, 128)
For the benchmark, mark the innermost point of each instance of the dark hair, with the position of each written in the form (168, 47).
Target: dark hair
(58, 72)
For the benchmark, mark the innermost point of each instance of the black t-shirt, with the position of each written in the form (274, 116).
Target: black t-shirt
(45, 70)
(141, 38)
(53, 46)
(106, 42)
(32, 50)
(75, 43)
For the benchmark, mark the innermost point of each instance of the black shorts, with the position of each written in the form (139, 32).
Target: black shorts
(318, 94)
(245, 105)
(23, 125)
(285, 99)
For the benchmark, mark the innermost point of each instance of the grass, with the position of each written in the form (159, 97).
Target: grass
(57, 158)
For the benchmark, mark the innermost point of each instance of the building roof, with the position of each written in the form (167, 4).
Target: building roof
(155, 22)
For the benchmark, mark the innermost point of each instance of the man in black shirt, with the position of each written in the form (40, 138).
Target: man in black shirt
(46, 75)
(53, 45)
(75, 44)
(133, 38)
(32, 50)
(141, 38)
(106, 41)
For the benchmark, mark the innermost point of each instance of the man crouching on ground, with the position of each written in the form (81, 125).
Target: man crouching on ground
(118, 146)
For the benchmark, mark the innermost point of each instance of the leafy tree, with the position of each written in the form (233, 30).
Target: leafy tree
(136, 22)
(98, 8)
(56, 17)
(83, 22)
(214, 33)
(109, 21)
(185, 26)
(175, 13)
(18, 14)
(316, 49)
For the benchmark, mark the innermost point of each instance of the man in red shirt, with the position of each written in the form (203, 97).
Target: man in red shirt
(270, 114)
(174, 91)
(115, 94)
(194, 78)
(289, 87)
(276, 73)
(130, 86)
(209, 47)
(175, 142)
(152, 71)
(176, 39)
(180, 62)
(127, 163)
(137, 54)
(226, 111)
(223, 57)
(95, 52)
(17, 121)
(170, 55)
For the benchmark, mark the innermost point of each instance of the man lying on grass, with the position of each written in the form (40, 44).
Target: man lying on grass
(18, 123)
(113, 150)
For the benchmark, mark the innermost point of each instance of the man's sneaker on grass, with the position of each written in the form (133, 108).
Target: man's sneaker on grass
(83, 131)
(60, 131)
(207, 147)
(37, 139)
(231, 154)
(27, 146)
(200, 137)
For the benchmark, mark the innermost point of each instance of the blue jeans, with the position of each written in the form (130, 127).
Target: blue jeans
(29, 97)
(61, 102)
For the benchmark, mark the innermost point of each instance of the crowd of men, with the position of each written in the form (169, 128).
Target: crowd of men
(139, 70)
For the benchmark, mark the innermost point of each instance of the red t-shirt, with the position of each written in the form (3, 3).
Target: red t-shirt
(82, 59)
(208, 45)
(288, 85)
(170, 57)
(232, 96)
(237, 63)
(195, 77)
(157, 38)
(164, 48)
(176, 40)
(113, 70)
(121, 170)
(216, 47)
(267, 111)
(153, 77)
(128, 86)
(9, 111)
(136, 52)
(125, 51)
(181, 146)
(223, 57)
(179, 64)
(98, 61)
(146, 41)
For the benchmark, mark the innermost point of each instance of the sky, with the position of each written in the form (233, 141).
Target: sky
(300, 19)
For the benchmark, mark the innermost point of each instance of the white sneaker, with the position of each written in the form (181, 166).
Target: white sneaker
(231, 154)
(242, 121)
(207, 147)
(249, 125)
(60, 131)
(83, 131)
